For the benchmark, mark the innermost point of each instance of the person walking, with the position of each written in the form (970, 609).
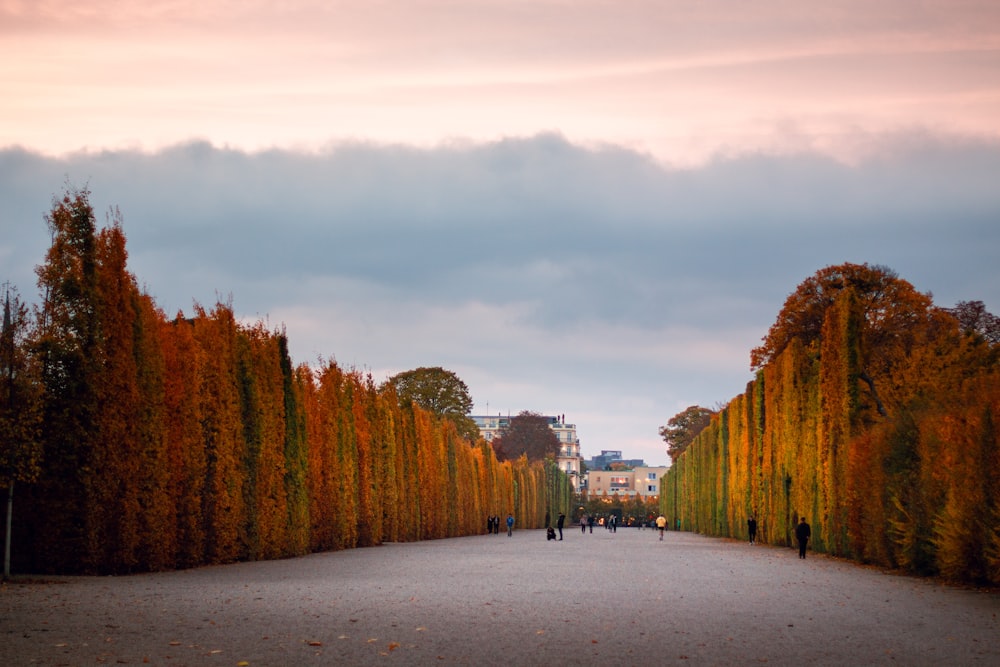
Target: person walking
(752, 528)
(590, 523)
(802, 533)
(661, 524)
(560, 522)
(510, 525)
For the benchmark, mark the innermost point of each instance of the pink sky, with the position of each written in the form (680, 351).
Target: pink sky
(680, 80)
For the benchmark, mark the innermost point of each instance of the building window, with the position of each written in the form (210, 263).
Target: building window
(619, 482)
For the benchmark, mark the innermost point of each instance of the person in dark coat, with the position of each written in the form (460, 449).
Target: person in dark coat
(560, 523)
(802, 534)
(752, 528)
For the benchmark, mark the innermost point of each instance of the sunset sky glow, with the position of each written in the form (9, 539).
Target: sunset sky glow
(589, 208)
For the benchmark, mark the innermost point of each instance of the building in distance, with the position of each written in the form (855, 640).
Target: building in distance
(567, 458)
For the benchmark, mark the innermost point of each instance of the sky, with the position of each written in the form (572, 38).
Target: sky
(590, 209)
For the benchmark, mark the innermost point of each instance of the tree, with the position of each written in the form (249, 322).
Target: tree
(683, 428)
(20, 408)
(974, 319)
(528, 433)
(889, 307)
(67, 343)
(440, 392)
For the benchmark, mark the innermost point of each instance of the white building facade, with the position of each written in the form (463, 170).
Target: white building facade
(567, 457)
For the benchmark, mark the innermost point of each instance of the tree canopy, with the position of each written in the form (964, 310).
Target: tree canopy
(20, 415)
(974, 319)
(528, 433)
(440, 392)
(683, 427)
(889, 307)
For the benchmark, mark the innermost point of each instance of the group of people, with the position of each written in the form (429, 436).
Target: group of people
(802, 533)
(493, 524)
(550, 532)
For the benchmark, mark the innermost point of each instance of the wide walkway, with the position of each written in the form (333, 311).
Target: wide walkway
(622, 598)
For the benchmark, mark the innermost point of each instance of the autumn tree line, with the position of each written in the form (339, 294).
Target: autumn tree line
(141, 442)
(874, 415)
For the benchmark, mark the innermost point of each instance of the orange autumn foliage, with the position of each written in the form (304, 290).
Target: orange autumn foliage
(873, 414)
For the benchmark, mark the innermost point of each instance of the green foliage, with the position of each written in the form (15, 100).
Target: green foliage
(440, 392)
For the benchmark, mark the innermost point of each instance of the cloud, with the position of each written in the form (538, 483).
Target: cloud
(586, 280)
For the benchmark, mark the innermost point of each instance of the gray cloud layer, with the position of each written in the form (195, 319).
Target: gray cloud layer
(588, 281)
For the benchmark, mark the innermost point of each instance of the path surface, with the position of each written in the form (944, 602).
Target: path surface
(622, 598)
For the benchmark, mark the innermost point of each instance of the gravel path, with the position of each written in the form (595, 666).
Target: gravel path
(622, 598)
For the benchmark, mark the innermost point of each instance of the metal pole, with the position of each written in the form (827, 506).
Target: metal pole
(6, 546)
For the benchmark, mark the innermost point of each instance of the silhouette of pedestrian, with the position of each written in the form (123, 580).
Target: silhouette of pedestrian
(590, 523)
(752, 528)
(560, 522)
(583, 524)
(802, 534)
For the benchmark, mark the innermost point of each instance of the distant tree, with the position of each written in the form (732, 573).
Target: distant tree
(974, 319)
(528, 433)
(683, 428)
(20, 408)
(440, 392)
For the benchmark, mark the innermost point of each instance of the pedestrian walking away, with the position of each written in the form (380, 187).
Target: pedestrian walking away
(802, 534)
(560, 523)
(661, 524)
(752, 528)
